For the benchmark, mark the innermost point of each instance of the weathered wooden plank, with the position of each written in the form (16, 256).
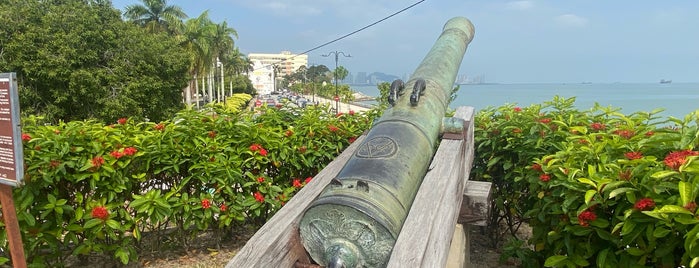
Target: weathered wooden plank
(475, 207)
(424, 239)
(443, 227)
(277, 243)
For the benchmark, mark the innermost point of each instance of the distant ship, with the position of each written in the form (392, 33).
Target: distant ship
(663, 81)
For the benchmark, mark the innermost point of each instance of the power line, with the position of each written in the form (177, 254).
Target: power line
(346, 35)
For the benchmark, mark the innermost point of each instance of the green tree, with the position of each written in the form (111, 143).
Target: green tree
(155, 15)
(341, 72)
(84, 62)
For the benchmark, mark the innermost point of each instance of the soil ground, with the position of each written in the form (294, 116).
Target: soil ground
(206, 252)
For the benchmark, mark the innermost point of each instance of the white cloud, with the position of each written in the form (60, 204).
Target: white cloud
(520, 5)
(571, 20)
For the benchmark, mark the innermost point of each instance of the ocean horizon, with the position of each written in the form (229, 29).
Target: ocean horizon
(677, 99)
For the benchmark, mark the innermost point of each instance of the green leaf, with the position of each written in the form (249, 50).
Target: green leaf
(602, 258)
(92, 223)
(663, 174)
(674, 209)
(660, 232)
(619, 191)
(628, 227)
(554, 260)
(635, 251)
(685, 192)
(589, 195)
(588, 181)
(113, 224)
(123, 255)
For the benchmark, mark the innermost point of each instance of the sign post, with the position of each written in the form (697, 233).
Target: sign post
(11, 163)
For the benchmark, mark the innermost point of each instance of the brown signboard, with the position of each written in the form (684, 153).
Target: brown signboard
(11, 156)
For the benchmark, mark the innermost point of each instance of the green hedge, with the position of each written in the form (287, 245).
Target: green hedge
(598, 188)
(91, 188)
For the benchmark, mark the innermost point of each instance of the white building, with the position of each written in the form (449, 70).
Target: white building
(263, 75)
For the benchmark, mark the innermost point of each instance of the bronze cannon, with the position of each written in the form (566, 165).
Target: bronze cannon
(356, 219)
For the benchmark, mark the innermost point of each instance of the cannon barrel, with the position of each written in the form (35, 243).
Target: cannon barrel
(356, 219)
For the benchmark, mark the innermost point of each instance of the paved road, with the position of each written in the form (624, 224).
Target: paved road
(344, 107)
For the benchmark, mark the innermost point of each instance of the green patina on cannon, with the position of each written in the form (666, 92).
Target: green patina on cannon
(356, 219)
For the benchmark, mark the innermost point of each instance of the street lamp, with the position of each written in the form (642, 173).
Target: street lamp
(337, 97)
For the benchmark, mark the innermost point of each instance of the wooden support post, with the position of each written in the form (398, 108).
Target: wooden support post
(9, 215)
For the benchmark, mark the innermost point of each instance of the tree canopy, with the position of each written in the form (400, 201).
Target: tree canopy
(77, 59)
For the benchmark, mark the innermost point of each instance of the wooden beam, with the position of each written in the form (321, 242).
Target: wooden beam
(423, 241)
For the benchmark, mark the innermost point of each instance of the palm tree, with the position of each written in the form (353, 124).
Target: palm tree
(155, 15)
(194, 36)
(222, 45)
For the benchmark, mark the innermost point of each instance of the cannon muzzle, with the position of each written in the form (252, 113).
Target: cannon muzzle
(356, 219)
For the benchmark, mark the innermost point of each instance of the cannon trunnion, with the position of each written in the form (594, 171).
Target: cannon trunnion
(356, 219)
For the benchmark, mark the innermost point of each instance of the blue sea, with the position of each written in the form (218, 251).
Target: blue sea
(678, 99)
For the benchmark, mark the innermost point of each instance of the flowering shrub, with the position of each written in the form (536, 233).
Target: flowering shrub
(598, 188)
(94, 188)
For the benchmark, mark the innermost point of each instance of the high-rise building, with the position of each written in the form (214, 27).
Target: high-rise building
(288, 63)
(360, 78)
(263, 74)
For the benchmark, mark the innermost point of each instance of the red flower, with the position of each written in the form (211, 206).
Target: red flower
(224, 207)
(259, 197)
(308, 180)
(205, 203)
(333, 128)
(691, 206)
(261, 179)
(296, 183)
(26, 137)
(255, 147)
(351, 112)
(598, 126)
(517, 109)
(545, 120)
(130, 151)
(649, 133)
(288, 133)
(625, 133)
(159, 126)
(351, 139)
(585, 217)
(676, 159)
(263, 152)
(122, 121)
(644, 204)
(536, 167)
(633, 155)
(116, 154)
(302, 149)
(97, 161)
(100, 212)
(55, 163)
(212, 134)
(544, 177)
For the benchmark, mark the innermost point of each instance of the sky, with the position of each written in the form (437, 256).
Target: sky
(515, 41)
